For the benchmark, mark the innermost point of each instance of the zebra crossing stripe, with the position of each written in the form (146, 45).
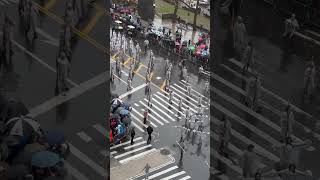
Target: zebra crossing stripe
(159, 109)
(248, 141)
(100, 129)
(125, 143)
(137, 156)
(162, 172)
(134, 145)
(164, 101)
(155, 100)
(273, 94)
(87, 160)
(137, 126)
(183, 89)
(188, 177)
(246, 124)
(254, 114)
(74, 172)
(183, 95)
(150, 115)
(113, 152)
(152, 124)
(132, 151)
(174, 175)
(105, 153)
(84, 137)
(174, 98)
(137, 119)
(183, 83)
(153, 112)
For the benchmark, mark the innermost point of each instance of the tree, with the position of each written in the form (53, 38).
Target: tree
(195, 15)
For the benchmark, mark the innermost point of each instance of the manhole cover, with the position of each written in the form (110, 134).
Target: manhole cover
(164, 151)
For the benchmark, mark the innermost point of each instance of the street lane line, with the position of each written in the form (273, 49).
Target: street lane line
(100, 129)
(155, 100)
(152, 124)
(113, 152)
(136, 104)
(138, 69)
(132, 151)
(153, 112)
(74, 172)
(54, 41)
(40, 60)
(133, 90)
(154, 106)
(125, 143)
(163, 172)
(189, 177)
(126, 62)
(134, 145)
(84, 136)
(174, 175)
(85, 159)
(297, 109)
(137, 156)
(92, 22)
(74, 92)
(254, 114)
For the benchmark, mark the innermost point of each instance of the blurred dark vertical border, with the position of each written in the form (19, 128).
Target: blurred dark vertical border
(212, 67)
(108, 22)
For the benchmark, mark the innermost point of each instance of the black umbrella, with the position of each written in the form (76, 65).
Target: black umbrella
(22, 126)
(13, 108)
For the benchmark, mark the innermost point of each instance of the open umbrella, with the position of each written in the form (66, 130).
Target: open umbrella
(13, 141)
(53, 138)
(200, 39)
(13, 108)
(192, 48)
(34, 147)
(117, 21)
(131, 27)
(22, 126)
(124, 112)
(202, 46)
(45, 159)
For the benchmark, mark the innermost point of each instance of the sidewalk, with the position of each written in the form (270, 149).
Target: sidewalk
(135, 167)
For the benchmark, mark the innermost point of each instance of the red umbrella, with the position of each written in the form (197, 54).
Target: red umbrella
(110, 136)
(200, 39)
(202, 46)
(198, 53)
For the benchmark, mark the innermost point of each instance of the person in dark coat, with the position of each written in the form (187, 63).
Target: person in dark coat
(149, 130)
(133, 133)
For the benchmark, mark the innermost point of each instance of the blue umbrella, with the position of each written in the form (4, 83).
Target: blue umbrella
(124, 112)
(55, 138)
(45, 159)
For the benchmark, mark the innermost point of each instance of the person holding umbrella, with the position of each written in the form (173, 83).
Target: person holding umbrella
(63, 71)
(145, 116)
(149, 131)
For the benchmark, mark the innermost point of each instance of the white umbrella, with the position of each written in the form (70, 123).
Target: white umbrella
(131, 27)
(118, 22)
(21, 125)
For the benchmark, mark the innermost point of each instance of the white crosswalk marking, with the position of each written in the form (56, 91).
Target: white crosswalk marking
(159, 109)
(137, 144)
(174, 175)
(84, 136)
(167, 109)
(100, 129)
(137, 155)
(154, 112)
(132, 151)
(183, 83)
(188, 177)
(163, 172)
(122, 144)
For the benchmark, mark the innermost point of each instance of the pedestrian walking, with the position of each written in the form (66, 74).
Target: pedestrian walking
(145, 116)
(170, 96)
(224, 135)
(168, 74)
(206, 87)
(253, 93)
(291, 26)
(239, 37)
(146, 45)
(149, 131)
(250, 162)
(112, 75)
(63, 72)
(188, 90)
(187, 113)
(7, 30)
(248, 57)
(200, 71)
(32, 22)
(184, 73)
(180, 105)
(146, 169)
(133, 133)
(287, 122)
(129, 85)
(188, 79)
(199, 100)
(166, 65)
(309, 81)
